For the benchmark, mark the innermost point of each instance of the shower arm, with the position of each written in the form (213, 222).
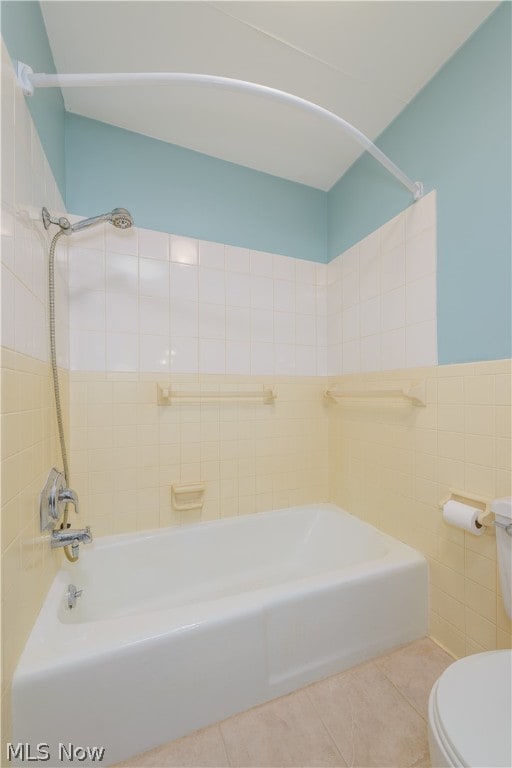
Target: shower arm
(28, 80)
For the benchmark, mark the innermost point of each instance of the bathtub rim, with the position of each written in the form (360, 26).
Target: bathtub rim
(119, 539)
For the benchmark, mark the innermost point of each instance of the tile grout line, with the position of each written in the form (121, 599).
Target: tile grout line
(403, 696)
(338, 750)
(229, 762)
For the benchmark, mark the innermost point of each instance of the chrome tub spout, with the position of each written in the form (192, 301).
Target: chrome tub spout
(69, 537)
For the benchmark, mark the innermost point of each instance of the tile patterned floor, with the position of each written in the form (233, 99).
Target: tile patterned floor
(371, 715)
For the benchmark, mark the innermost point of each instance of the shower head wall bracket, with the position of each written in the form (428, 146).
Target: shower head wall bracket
(47, 219)
(62, 222)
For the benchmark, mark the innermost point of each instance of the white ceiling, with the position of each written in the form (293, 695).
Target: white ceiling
(364, 60)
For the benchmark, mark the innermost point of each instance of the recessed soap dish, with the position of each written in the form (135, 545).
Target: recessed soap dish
(186, 496)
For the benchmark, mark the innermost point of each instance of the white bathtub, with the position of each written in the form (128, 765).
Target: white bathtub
(179, 628)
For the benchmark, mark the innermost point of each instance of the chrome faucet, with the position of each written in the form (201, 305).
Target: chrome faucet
(54, 497)
(69, 537)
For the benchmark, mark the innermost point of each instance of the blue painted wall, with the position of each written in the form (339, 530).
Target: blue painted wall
(176, 190)
(455, 137)
(25, 36)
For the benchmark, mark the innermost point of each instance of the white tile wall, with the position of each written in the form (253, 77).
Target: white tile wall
(27, 185)
(176, 304)
(381, 296)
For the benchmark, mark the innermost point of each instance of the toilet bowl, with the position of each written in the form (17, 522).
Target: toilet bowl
(470, 713)
(470, 705)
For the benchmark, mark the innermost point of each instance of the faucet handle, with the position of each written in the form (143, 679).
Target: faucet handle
(68, 495)
(52, 496)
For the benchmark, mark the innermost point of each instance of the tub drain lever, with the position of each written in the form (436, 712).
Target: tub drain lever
(73, 595)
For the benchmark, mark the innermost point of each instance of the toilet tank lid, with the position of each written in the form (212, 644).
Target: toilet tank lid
(502, 507)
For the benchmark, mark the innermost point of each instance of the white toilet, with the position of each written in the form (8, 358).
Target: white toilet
(470, 705)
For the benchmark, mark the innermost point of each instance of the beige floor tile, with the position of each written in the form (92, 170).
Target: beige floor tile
(414, 670)
(284, 732)
(203, 749)
(371, 723)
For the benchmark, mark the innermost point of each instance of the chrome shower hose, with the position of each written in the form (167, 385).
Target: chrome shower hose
(55, 376)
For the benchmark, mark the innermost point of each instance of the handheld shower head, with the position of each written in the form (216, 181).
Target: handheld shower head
(119, 217)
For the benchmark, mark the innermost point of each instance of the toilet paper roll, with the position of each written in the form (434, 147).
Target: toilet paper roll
(463, 516)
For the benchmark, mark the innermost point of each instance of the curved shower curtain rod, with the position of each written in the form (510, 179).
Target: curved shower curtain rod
(28, 80)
